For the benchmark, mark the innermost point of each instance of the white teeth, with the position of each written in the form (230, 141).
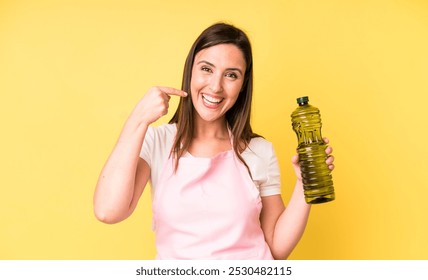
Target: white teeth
(212, 99)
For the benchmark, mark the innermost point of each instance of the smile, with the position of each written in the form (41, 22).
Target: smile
(212, 100)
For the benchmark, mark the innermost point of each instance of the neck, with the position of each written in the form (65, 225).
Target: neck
(216, 129)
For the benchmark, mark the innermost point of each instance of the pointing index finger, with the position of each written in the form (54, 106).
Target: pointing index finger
(173, 91)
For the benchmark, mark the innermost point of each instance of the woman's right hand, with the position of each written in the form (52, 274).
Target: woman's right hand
(125, 174)
(154, 104)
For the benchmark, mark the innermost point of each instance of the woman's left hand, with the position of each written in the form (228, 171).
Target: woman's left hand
(329, 160)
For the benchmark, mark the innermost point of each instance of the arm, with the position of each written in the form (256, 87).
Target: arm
(283, 227)
(125, 174)
(123, 178)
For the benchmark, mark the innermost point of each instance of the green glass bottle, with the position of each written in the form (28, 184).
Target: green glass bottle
(316, 176)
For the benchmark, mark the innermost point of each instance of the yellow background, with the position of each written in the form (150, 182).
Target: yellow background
(71, 72)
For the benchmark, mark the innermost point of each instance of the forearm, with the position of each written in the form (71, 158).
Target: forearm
(125, 175)
(291, 224)
(116, 184)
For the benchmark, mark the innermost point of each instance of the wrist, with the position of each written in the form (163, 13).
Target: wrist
(133, 129)
(299, 185)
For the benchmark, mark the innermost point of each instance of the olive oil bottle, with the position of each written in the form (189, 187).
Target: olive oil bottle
(316, 176)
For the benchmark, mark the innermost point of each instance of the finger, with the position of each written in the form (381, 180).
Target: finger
(295, 159)
(330, 160)
(331, 166)
(325, 139)
(173, 91)
(166, 97)
(329, 150)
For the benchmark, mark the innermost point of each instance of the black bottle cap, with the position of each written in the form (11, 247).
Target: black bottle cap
(302, 100)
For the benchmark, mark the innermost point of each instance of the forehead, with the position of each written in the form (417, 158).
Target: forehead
(227, 55)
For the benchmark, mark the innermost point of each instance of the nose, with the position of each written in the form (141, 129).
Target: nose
(216, 83)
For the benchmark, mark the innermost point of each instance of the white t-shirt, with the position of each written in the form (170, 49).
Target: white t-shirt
(259, 156)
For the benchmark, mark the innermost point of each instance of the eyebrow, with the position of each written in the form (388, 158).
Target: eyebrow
(210, 64)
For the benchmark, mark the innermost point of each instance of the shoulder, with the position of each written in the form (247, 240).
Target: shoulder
(158, 142)
(164, 133)
(263, 163)
(259, 154)
(260, 142)
(260, 147)
(164, 129)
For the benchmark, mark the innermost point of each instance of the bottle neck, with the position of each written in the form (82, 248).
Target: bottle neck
(303, 103)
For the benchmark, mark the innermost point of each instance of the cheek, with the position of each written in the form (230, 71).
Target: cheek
(197, 76)
(194, 89)
(235, 90)
(194, 95)
(196, 83)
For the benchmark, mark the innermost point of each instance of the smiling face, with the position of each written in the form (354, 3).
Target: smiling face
(217, 79)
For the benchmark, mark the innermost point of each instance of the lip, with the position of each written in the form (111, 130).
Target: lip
(211, 101)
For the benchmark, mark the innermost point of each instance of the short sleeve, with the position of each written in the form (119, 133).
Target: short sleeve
(156, 148)
(272, 185)
(148, 146)
(263, 163)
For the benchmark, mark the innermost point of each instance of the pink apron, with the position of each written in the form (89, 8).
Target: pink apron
(208, 209)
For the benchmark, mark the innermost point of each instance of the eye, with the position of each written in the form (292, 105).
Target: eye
(206, 69)
(232, 75)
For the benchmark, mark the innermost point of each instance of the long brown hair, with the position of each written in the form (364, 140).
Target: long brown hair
(237, 117)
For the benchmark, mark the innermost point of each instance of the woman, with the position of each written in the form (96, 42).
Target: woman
(215, 183)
